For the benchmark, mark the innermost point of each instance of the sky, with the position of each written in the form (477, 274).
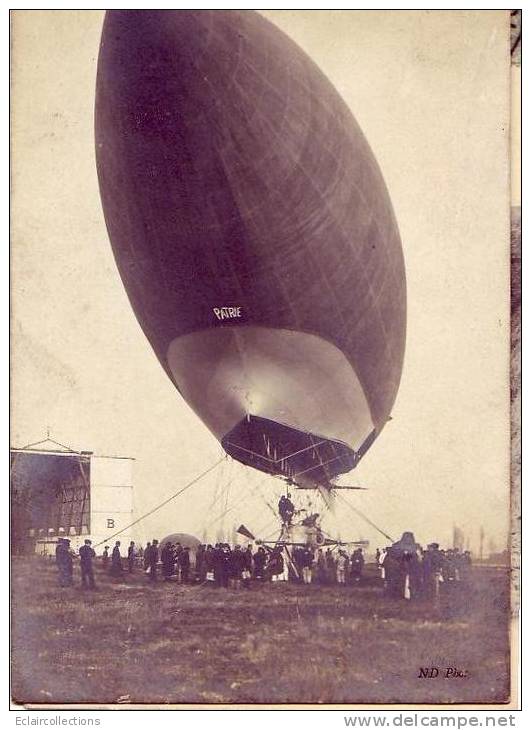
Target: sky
(430, 89)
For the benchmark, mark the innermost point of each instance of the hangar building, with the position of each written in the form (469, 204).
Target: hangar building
(58, 492)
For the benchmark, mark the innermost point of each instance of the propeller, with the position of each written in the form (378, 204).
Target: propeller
(345, 486)
(242, 530)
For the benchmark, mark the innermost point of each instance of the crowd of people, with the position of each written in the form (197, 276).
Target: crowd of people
(225, 566)
(405, 569)
(409, 571)
(220, 565)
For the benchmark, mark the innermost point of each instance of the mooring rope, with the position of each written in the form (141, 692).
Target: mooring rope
(360, 514)
(162, 504)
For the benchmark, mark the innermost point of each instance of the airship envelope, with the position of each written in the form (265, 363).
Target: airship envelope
(254, 235)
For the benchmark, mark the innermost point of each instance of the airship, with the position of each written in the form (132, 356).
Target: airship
(254, 234)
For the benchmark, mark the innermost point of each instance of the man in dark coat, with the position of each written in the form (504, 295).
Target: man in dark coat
(275, 566)
(248, 570)
(184, 564)
(116, 560)
(200, 563)
(59, 548)
(105, 558)
(86, 554)
(286, 509)
(410, 575)
(321, 568)
(210, 564)
(131, 556)
(226, 557)
(236, 567)
(298, 561)
(259, 560)
(307, 560)
(69, 564)
(63, 560)
(153, 560)
(432, 567)
(168, 560)
(357, 561)
(147, 553)
(217, 564)
(391, 566)
(400, 564)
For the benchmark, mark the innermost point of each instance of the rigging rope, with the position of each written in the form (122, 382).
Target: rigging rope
(268, 525)
(219, 478)
(219, 481)
(162, 504)
(264, 500)
(245, 496)
(270, 534)
(219, 517)
(360, 514)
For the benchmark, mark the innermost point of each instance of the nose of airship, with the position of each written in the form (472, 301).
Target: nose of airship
(169, 78)
(157, 32)
(177, 52)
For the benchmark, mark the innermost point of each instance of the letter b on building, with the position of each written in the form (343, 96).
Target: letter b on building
(110, 523)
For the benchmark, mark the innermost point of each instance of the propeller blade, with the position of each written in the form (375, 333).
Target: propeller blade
(242, 530)
(344, 486)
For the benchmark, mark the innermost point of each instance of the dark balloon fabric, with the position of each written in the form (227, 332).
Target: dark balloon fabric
(239, 192)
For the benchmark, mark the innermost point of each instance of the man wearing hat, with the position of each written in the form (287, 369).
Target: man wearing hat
(286, 509)
(86, 554)
(432, 564)
(63, 558)
(60, 561)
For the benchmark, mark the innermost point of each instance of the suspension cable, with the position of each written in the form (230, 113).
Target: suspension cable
(360, 514)
(245, 496)
(162, 504)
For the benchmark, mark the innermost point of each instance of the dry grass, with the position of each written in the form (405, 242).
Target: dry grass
(275, 643)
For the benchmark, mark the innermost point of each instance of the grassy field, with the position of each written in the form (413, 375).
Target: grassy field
(133, 642)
